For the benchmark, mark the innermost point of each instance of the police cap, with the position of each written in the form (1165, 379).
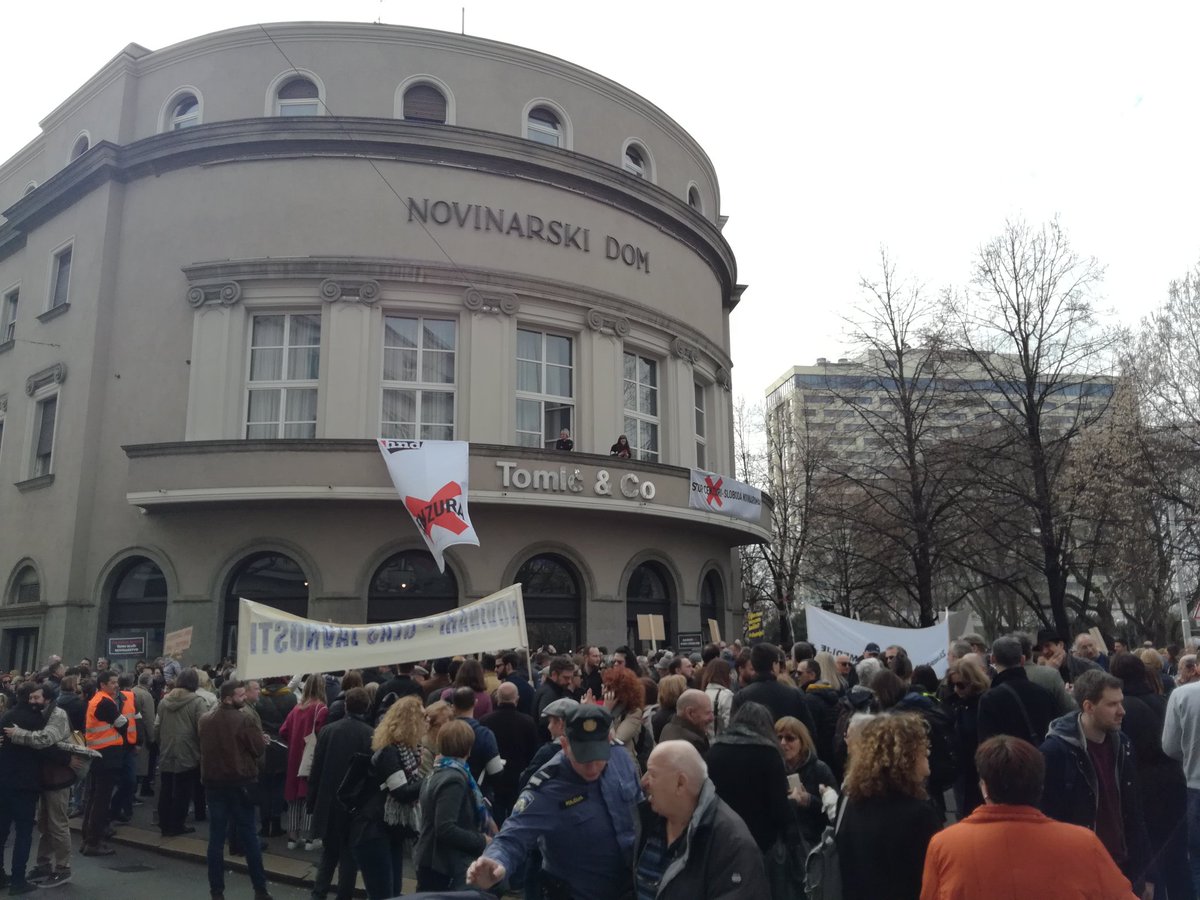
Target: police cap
(587, 733)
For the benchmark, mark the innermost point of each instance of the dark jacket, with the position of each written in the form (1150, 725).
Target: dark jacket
(230, 746)
(450, 837)
(1074, 666)
(544, 754)
(750, 777)
(398, 686)
(822, 702)
(1160, 779)
(679, 730)
(72, 704)
(274, 703)
(1070, 792)
(20, 766)
(811, 818)
(780, 699)
(543, 697)
(434, 686)
(966, 727)
(525, 692)
(1000, 707)
(517, 740)
(719, 861)
(881, 845)
(336, 745)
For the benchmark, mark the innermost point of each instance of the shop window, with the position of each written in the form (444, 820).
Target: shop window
(550, 586)
(139, 597)
(409, 586)
(650, 592)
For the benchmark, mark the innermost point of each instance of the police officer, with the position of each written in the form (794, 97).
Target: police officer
(585, 797)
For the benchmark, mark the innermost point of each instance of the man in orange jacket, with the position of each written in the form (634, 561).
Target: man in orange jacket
(105, 729)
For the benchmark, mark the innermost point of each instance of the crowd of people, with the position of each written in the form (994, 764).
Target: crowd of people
(733, 772)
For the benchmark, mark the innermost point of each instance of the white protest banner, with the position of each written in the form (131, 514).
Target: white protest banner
(837, 634)
(717, 494)
(431, 478)
(271, 642)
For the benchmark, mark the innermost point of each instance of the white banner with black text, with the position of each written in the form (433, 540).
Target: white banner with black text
(718, 494)
(837, 634)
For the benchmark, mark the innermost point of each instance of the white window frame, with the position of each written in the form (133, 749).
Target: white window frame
(565, 130)
(700, 395)
(55, 256)
(283, 384)
(648, 170)
(275, 105)
(168, 122)
(640, 418)
(698, 206)
(542, 397)
(71, 154)
(432, 81)
(36, 409)
(419, 387)
(10, 304)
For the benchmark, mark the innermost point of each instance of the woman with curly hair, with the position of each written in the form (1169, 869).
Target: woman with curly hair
(436, 715)
(884, 828)
(381, 827)
(625, 698)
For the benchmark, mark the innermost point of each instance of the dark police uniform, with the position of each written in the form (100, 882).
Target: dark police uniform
(586, 830)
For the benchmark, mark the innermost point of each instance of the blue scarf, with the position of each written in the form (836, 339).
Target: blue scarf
(481, 810)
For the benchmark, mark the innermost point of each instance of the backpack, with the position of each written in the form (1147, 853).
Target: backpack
(822, 866)
(359, 785)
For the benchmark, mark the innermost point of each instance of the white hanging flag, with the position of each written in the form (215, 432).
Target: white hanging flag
(431, 478)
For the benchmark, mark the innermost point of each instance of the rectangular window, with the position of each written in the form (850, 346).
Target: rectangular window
(43, 446)
(62, 277)
(418, 378)
(701, 428)
(641, 406)
(545, 387)
(8, 316)
(285, 358)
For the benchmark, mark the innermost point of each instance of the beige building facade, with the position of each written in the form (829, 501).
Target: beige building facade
(226, 266)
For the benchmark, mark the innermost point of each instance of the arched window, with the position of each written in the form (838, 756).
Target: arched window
(270, 578)
(543, 125)
(424, 103)
(635, 161)
(26, 587)
(650, 592)
(185, 112)
(409, 586)
(694, 199)
(550, 586)
(29, 189)
(297, 97)
(712, 602)
(137, 604)
(82, 144)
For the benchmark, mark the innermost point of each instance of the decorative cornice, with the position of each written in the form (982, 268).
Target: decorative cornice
(491, 301)
(685, 351)
(600, 319)
(344, 287)
(55, 374)
(225, 293)
(722, 378)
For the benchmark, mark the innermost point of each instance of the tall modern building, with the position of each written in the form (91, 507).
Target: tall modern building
(228, 265)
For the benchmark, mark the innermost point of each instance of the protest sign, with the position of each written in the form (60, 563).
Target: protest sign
(837, 634)
(271, 642)
(714, 631)
(177, 641)
(719, 494)
(431, 478)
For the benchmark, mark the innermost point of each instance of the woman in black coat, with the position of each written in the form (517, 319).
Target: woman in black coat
(887, 822)
(1160, 779)
(745, 765)
(968, 680)
(800, 759)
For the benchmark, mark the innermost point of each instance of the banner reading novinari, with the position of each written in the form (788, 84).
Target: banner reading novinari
(431, 478)
(837, 634)
(271, 642)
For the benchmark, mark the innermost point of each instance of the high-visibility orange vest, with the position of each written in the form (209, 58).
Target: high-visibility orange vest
(100, 734)
(129, 710)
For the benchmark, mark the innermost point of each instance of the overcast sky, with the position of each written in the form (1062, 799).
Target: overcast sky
(835, 128)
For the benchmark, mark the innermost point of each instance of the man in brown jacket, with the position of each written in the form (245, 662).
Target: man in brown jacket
(230, 746)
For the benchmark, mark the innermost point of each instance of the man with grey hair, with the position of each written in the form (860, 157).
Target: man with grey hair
(717, 856)
(1188, 671)
(1014, 705)
(693, 715)
(958, 649)
(868, 667)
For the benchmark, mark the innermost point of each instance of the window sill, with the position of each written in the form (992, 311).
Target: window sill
(8, 345)
(54, 312)
(33, 484)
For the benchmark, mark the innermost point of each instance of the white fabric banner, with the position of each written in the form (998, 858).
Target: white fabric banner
(431, 478)
(271, 642)
(837, 634)
(717, 494)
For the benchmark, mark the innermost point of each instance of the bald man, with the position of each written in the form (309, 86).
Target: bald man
(693, 715)
(517, 738)
(719, 860)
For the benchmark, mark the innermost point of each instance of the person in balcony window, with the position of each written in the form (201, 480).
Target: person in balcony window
(564, 441)
(621, 448)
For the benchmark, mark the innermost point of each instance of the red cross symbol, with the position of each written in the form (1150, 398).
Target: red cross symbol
(714, 491)
(442, 509)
